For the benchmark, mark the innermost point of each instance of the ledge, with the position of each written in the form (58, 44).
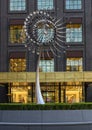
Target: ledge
(46, 120)
(46, 77)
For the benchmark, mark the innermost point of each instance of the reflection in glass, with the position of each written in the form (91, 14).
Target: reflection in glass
(74, 92)
(74, 33)
(70, 92)
(17, 65)
(47, 65)
(17, 5)
(16, 35)
(45, 4)
(73, 4)
(74, 64)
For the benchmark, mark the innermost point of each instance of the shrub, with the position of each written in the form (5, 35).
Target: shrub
(52, 106)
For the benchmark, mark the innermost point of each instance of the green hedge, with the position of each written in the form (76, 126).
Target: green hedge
(54, 106)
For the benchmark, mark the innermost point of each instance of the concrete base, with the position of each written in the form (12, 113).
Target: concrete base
(46, 120)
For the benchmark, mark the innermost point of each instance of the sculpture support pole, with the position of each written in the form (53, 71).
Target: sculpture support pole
(39, 98)
(46, 32)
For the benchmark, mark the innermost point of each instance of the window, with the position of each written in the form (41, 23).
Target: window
(45, 4)
(45, 36)
(16, 34)
(45, 31)
(50, 92)
(73, 4)
(74, 64)
(74, 32)
(74, 92)
(47, 65)
(17, 5)
(21, 92)
(17, 64)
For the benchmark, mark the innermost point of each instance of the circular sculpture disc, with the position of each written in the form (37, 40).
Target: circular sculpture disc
(40, 28)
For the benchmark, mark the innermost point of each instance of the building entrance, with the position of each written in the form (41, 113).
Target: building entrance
(70, 92)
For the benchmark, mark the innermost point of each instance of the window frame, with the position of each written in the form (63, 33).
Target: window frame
(46, 65)
(73, 10)
(73, 65)
(17, 11)
(14, 22)
(76, 20)
(75, 54)
(17, 55)
(46, 9)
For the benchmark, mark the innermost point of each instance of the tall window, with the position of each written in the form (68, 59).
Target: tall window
(21, 92)
(74, 64)
(74, 32)
(74, 92)
(45, 4)
(16, 34)
(17, 5)
(17, 65)
(73, 4)
(47, 65)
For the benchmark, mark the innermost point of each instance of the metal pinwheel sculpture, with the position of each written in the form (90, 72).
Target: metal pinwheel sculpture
(43, 32)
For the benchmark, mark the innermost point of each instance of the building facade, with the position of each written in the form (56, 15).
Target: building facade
(14, 57)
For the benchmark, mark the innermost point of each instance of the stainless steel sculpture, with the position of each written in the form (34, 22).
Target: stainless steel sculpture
(43, 32)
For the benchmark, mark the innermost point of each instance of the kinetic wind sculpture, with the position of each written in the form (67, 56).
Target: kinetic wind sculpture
(43, 32)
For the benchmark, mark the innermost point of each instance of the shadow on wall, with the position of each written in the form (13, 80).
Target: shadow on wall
(3, 93)
(88, 92)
